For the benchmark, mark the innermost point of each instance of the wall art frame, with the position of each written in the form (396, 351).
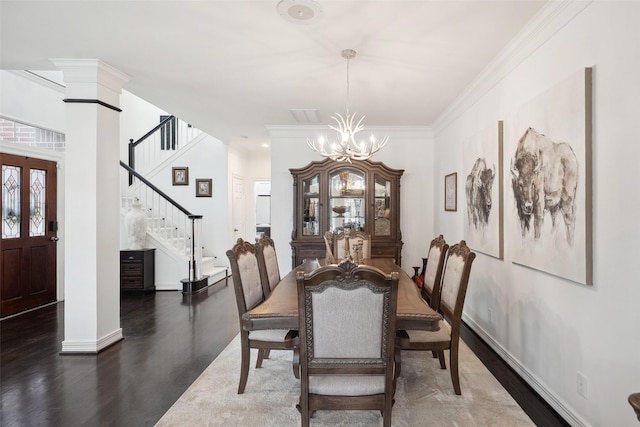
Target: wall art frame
(180, 175)
(482, 161)
(204, 187)
(451, 192)
(549, 198)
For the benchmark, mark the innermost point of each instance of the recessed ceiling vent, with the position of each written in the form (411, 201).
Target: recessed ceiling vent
(299, 11)
(305, 116)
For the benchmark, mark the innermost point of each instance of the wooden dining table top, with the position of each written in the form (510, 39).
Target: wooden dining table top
(280, 309)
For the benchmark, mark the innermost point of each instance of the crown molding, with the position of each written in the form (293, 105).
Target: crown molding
(551, 19)
(26, 74)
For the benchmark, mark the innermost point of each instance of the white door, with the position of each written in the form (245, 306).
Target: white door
(238, 208)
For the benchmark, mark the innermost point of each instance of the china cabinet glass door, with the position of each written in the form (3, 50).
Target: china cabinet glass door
(346, 200)
(382, 206)
(310, 226)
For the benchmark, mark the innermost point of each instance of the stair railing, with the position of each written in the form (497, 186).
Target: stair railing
(168, 221)
(159, 144)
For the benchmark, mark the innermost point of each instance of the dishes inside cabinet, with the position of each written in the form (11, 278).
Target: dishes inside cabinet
(340, 210)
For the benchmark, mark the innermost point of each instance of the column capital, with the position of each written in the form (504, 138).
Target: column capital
(91, 79)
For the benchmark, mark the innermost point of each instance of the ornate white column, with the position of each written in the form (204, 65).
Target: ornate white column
(92, 194)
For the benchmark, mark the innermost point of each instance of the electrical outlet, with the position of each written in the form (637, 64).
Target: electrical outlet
(582, 385)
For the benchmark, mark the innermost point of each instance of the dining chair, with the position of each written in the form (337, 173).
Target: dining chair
(430, 290)
(249, 293)
(455, 280)
(432, 274)
(347, 317)
(267, 264)
(350, 238)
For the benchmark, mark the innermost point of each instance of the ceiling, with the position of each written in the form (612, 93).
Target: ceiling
(231, 68)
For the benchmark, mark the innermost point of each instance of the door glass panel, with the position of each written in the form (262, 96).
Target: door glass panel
(311, 194)
(346, 200)
(37, 198)
(10, 202)
(382, 206)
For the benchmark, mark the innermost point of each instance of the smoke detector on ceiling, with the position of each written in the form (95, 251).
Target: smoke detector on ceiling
(299, 11)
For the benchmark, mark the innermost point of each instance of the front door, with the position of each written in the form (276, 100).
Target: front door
(28, 243)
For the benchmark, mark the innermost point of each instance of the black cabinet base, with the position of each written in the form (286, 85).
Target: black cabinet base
(190, 287)
(137, 270)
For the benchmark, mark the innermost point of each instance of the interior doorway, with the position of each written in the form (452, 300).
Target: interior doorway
(29, 233)
(262, 191)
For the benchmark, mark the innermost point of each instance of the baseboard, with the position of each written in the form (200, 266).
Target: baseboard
(554, 401)
(91, 347)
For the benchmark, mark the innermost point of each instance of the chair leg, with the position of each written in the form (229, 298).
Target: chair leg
(244, 362)
(305, 414)
(397, 359)
(434, 354)
(296, 362)
(443, 365)
(261, 353)
(267, 353)
(453, 362)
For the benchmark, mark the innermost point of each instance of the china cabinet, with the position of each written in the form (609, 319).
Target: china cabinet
(333, 196)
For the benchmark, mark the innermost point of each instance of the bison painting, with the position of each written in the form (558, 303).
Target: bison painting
(544, 179)
(478, 190)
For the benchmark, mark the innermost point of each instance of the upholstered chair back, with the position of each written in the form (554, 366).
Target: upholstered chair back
(455, 280)
(267, 264)
(354, 238)
(347, 317)
(245, 275)
(433, 271)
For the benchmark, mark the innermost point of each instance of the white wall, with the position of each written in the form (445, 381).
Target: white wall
(410, 149)
(550, 328)
(205, 158)
(32, 100)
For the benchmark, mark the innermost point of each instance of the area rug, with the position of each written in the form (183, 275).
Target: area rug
(424, 396)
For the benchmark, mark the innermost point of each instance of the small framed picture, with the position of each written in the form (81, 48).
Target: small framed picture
(451, 192)
(203, 187)
(180, 176)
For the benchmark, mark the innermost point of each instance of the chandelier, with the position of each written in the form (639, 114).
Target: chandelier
(346, 146)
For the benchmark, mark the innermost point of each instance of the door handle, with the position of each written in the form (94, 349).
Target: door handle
(54, 239)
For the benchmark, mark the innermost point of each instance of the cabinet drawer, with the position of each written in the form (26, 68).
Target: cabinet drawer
(132, 256)
(384, 252)
(131, 269)
(131, 283)
(311, 254)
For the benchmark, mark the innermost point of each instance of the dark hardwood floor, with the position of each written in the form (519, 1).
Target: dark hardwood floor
(169, 341)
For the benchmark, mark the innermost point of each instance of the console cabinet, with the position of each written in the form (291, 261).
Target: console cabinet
(137, 270)
(334, 196)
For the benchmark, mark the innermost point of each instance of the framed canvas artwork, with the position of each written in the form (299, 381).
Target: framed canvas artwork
(482, 161)
(180, 175)
(549, 194)
(203, 187)
(451, 192)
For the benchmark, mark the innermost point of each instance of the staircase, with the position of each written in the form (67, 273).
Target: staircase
(172, 228)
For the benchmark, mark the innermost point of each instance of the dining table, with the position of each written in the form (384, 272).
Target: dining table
(280, 309)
